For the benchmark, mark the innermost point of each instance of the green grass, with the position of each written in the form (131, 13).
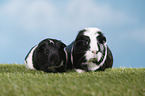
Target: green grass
(16, 80)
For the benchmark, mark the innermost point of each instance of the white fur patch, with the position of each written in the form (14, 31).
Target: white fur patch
(28, 61)
(51, 41)
(92, 34)
(66, 55)
(93, 66)
(79, 70)
(89, 55)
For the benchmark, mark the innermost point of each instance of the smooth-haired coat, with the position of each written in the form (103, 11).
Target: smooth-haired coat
(49, 56)
(89, 51)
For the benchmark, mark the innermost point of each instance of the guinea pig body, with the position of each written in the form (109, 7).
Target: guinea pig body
(49, 56)
(89, 51)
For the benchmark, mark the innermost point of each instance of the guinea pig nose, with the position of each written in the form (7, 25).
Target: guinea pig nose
(94, 52)
(54, 59)
(47, 52)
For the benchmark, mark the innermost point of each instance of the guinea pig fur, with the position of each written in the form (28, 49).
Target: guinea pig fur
(49, 56)
(89, 51)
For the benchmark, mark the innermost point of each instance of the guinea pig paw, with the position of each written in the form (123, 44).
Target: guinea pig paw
(79, 70)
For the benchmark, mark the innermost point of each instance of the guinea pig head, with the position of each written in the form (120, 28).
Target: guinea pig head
(49, 53)
(89, 47)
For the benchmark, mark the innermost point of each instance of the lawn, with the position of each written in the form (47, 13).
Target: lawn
(16, 80)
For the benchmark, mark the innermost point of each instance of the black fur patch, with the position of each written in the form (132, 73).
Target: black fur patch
(78, 48)
(48, 56)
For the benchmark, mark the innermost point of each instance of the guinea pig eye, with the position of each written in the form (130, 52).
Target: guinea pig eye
(81, 43)
(40, 50)
(85, 43)
(101, 39)
(47, 52)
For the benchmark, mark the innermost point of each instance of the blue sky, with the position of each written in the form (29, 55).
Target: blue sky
(24, 23)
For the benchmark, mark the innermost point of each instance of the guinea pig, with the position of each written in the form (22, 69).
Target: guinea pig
(89, 51)
(49, 56)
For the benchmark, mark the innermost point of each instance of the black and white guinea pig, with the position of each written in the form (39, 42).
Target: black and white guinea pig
(89, 51)
(49, 56)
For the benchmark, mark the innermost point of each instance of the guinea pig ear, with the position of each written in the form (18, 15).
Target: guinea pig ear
(63, 45)
(101, 39)
(60, 45)
(81, 32)
(40, 47)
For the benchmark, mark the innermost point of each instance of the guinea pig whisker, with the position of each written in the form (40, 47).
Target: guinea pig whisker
(76, 52)
(81, 59)
(44, 66)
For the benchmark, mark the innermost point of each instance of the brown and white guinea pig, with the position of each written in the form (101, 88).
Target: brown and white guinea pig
(49, 56)
(89, 51)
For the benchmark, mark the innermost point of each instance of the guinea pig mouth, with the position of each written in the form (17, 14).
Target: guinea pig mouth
(93, 60)
(96, 59)
(53, 67)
